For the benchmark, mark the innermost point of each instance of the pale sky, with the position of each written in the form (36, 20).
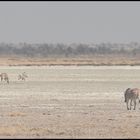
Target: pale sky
(69, 22)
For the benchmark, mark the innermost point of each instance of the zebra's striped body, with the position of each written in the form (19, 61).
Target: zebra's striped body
(22, 76)
(131, 95)
(4, 76)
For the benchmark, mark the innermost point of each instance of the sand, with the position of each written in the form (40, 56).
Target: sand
(68, 102)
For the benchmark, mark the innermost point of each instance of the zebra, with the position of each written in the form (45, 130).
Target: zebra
(132, 95)
(22, 76)
(4, 76)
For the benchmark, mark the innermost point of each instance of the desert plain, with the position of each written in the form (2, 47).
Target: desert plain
(68, 102)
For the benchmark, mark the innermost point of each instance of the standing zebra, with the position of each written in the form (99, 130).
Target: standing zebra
(4, 76)
(132, 95)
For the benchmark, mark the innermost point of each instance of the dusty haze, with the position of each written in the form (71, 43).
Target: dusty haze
(69, 22)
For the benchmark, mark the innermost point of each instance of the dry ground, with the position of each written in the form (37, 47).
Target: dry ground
(85, 61)
(92, 118)
(68, 102)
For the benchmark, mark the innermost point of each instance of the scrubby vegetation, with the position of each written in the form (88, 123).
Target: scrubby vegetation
(72, 50)
(72, 54)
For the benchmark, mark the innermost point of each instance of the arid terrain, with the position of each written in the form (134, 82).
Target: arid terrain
(68, 102)
(99, 60)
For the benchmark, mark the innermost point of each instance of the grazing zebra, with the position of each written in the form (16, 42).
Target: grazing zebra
(4, 76)
(22, 76)
(132, 95)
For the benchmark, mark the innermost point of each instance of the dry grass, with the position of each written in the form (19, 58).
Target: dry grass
(15, 114)
(97, 60)
(21, 129)
(11, 130)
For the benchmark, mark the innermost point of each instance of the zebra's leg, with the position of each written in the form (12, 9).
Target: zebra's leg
(125, 97)
(139, 102)
(127, 101)
(134, 104)
(7, 80)
(2, 79)
(130, 104)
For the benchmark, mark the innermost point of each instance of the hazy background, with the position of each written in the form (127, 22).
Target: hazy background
(69, 22)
